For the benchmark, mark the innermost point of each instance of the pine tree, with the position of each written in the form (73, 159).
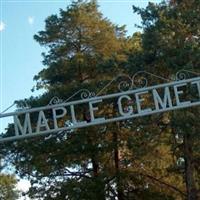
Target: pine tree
(133, 159)
(69, 165)
(171, 43)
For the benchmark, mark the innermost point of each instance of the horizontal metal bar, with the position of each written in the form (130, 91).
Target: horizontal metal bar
(99, 97)
(99, 122)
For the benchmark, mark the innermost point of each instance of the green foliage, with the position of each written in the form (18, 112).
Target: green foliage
(7, 187)
(170, 43)
(79, 40)
(134, 159)
(171, 35)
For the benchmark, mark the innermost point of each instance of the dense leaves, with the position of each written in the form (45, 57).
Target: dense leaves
(155, 157)
(7, 187)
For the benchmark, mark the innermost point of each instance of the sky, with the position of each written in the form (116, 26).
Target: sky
(20, 55)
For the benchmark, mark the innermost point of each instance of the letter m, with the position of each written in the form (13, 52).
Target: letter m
(163, 103)
(26, 128)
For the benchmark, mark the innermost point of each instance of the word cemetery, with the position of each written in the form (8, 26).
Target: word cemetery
(125, 105)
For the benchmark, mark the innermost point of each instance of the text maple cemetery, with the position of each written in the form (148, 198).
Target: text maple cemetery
(129, 104)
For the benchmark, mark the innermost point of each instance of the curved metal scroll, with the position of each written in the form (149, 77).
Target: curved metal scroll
(185, 74)
(141, 81)
(84, 94)
(125, 83)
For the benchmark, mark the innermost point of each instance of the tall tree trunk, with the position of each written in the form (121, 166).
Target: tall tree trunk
(95, 167)
(117, 167)
(189, 169)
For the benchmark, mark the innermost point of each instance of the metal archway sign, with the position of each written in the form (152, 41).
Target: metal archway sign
(128, 104)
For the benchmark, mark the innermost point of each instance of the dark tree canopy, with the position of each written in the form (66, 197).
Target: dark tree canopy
(155, 157)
